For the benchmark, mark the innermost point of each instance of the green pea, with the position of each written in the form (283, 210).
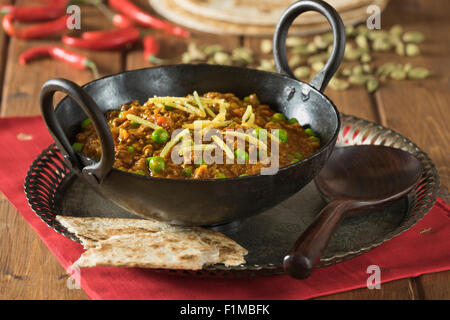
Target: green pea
(292, 121)
(282, 135)
(77, 146)
(260, 133)
(241, 155)
(310, 132)
(314, 139)
(142, 173)
(278, 117)
(85, 122)
(243, 175)
(200, 164)
(298, 155)
(130, 149)
(160, 136)
(220, 175)
(156, 164)
(187, 172)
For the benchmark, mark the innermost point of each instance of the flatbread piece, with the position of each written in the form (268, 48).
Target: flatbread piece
(150, 244)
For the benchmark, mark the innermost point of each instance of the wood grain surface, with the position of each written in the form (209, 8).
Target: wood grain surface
(418, 110)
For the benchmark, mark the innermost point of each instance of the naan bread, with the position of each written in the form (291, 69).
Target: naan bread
(150, 244)
(301, 27)
(258, 12)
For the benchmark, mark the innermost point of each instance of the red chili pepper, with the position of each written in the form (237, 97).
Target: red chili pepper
(117, 19)
(120, 39)
(97, 34)
(132, 11)
(74, 59)
(34, 13)
(151, 49)
(36, 31)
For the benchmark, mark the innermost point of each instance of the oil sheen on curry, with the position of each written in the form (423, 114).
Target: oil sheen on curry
(214, 136)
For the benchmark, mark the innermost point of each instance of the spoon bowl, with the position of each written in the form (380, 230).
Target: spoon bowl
(354, 178)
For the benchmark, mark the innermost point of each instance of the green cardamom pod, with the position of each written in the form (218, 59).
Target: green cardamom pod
(413, 36)
(418, 73)
(396, 30)
(358, 79)
(338, 84)
(302, 72)
(398, 74)
(266, 46)
(372, 84)
(412, 50)
(295, 61)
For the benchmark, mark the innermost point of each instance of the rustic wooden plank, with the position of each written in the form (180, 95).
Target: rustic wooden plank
(22, 84)
(394, 290)
(27, 269)
(171, 48)
(435, 286)
(419, 109)
(4, 41)
(39, 276)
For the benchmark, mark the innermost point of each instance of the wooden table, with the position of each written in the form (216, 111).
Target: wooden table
(419, 110)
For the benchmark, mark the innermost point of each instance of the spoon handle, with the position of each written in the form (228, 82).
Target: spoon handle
(308, 248)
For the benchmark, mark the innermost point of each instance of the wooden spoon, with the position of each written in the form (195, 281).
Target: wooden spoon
(354, 178)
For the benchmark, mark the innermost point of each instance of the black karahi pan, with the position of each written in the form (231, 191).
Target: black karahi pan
(200, 202)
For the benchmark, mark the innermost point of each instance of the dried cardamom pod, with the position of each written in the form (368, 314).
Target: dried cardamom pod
(358, 79)
(300, 50)
(372, 84)
(413, 36)
(367, 68)
(418, 73)
(266, 46)
(381, 44)
(396, 30)
(311, 48)
(361, 42)
(377, 34)
(295, 42)
(351, 53)
(317, 66)
(407, 67)
(385, 69)
(295, 61)
(338, 84)
(195, 53)
(400, 48)
(302, 72)
(362, 29)
(242, 56)
(267, 65)
(398, 74)
(322, 41)
(210, 50)
(365, 57)
(186, 57)
(346, 72)
(322, 57)
(412, 50)
(350, 31)
(222, 58)
(357, 70)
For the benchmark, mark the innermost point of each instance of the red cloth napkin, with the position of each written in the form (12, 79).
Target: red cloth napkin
(422, 249)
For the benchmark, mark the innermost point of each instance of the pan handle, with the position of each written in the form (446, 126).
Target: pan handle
(96, 172)
(321, 80)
